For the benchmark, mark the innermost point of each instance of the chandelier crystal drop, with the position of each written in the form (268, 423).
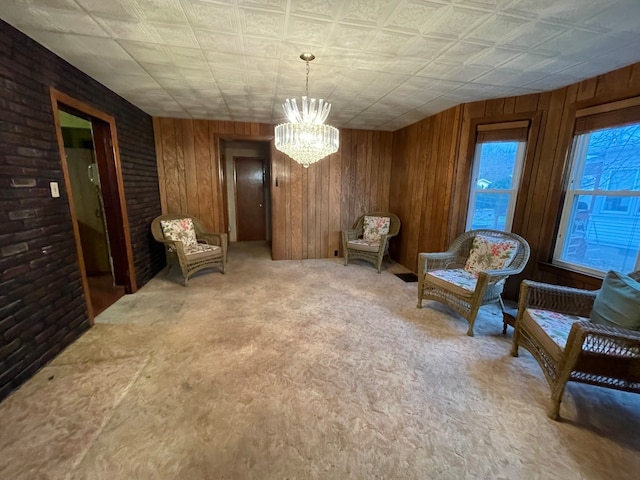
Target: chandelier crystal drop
(306, 139)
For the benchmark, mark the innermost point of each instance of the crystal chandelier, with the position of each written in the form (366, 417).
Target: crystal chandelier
(306, 139)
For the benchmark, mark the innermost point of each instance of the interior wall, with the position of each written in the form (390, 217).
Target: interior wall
(42, 305)
(310, 206)
(540, 195)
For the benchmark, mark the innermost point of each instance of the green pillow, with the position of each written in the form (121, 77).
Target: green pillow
(618, 302)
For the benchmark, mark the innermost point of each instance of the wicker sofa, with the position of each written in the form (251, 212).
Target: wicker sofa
(552, 324)
(467, 298)
(209, 250)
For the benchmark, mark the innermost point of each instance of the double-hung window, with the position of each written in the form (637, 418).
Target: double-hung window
(497, 167)
(600, 222)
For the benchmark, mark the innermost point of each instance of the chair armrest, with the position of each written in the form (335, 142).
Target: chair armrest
(438, 261)
(219, 239)
(351, 234)
(603, 340)
(556, 298)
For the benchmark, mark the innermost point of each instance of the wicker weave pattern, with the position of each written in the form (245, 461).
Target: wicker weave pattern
(490, 283)
(594, 354)
(187, 263)
(357, 232)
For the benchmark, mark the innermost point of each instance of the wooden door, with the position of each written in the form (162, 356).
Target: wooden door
(251, 218)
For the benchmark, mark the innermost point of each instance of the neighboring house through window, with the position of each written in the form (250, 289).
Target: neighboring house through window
(497, 167)
(600, 221)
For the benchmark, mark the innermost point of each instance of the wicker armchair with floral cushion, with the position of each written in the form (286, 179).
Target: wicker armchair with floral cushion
(369, 238)
(472, 273)
(188, 245)
(557, 325)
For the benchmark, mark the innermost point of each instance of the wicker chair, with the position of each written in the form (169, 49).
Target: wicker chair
(486, 289)
(190, 263)
(374, 254)
(594, 354)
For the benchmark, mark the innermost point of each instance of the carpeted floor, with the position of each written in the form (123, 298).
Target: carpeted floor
(304, 369)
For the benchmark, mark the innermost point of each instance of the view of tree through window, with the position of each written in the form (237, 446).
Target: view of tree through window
(494, 186)
(600, 226)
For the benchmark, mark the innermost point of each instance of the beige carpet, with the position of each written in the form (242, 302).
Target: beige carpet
(304, 369)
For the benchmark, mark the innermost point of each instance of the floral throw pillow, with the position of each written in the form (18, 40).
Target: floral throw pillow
(180, 230)
(490, 254)
(375, 227)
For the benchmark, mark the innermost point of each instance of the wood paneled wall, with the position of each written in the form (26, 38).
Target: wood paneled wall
(424, 170)
(538, 205)
(310, 206)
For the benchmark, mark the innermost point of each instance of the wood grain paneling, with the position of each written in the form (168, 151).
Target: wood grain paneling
(433, 159)
(310, 206)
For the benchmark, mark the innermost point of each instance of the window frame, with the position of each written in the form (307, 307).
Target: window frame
(599, 117)
(517, 131)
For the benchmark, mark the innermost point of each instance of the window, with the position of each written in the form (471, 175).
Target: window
(497, 166)
(600, 221)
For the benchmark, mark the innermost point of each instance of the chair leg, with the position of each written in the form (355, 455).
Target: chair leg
(556, 399)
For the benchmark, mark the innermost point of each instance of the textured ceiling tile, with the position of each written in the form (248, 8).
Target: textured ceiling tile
(219, 42)
(175, 35)
(167, 11)
(310, 32)
(390, 43)
(532, 34)
(279, 5)
(367, 11)
(438, 69)
(616, 18)
(414, 16)
(214, 17)
(462, 52)
(260, 47)
(66, 21)
(495, 57)
(527, 61)
(503, 77)
(575, 40)
(495, 28)
(387, 63)
(571, 12)
(146, 52)
(261, 24)
(455, 22)
(348, 36)
(128, 29)
(114, 8)
(468, 73)
(427, 47)
(325, 8)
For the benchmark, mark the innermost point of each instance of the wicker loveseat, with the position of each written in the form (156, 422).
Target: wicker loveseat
(188, 245)
(444, 277)
(356, 245)
(553, 325)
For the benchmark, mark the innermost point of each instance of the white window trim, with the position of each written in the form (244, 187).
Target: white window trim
(512, 192)
(580, 144)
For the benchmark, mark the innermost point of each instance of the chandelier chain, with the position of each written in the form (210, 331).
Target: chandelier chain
(306, 85)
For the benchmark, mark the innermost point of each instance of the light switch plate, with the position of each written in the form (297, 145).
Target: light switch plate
(55, 191)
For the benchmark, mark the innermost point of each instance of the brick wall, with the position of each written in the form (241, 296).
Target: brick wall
(42, 308)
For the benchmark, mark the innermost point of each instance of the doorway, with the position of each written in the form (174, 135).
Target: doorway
(251, 220)
(247, 181)
(91, 169)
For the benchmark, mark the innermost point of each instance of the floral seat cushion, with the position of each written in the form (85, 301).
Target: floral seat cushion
(203, 250)
(490, 254)
(551, 328)
(375, 227)
(457, 281)
(180, 230)
(364, 245)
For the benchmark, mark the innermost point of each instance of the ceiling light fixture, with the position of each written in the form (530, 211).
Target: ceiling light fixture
(306, 139)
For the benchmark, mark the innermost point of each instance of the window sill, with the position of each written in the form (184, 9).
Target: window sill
(574, 278)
